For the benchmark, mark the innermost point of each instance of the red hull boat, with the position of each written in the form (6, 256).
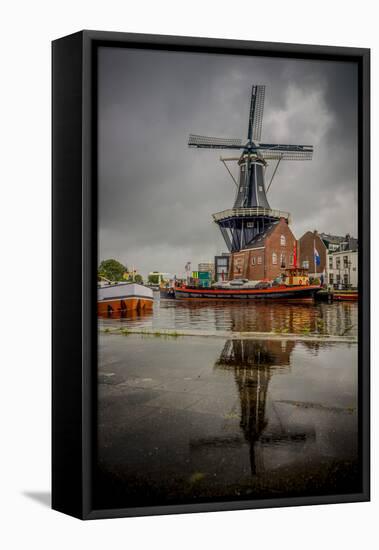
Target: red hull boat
(274, 292)
(348, 295)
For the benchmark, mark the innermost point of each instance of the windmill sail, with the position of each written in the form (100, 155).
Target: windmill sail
(256, 113)
(208, 142)
(285, 152)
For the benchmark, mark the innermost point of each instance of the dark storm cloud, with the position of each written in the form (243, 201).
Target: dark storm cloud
(156, 196)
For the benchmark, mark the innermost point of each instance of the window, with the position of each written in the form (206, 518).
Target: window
(330, 262)
(282, 260)
(305, 264)
(253, 260)
(338, 263)
(331, 278)
(282, 240)
(274, 258)
(346, 279)
(345, 262)
(259, 259)
(291, 259)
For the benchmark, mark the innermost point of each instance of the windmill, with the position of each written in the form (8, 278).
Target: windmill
(251, 212)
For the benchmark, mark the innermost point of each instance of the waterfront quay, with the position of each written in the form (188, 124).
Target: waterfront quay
(218, 416)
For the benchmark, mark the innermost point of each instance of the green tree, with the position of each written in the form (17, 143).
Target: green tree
(112, 270)
(138, 278)
(153, 279)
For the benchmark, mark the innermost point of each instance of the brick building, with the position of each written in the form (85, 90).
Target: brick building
(266, 256)
(308, 243)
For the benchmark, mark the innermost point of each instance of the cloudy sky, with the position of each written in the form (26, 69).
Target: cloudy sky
(157, 196)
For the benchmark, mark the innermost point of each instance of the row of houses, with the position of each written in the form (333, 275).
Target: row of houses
(334, 257)
(331, 258)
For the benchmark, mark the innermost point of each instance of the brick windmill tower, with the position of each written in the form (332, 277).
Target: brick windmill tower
(252, 220)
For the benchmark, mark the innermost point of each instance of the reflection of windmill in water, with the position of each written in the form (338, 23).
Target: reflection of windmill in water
(253, 364)
(251, 213)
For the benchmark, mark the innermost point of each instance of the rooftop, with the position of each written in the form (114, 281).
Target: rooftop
(346, 242)
(259, 239)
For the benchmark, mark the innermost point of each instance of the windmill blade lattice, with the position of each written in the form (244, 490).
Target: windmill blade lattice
(285, 152)
(208, 142)
(256, 112)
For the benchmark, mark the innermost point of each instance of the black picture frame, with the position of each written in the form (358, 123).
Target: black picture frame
(74, 206)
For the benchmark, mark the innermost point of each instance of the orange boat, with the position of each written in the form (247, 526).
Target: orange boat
(348, 295)
(117, 297)
(273, 292)
(294, 285)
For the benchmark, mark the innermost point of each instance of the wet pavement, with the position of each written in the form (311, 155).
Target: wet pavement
(193, 419)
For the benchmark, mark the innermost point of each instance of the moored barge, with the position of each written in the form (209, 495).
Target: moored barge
(274, 292)
(294, 284)
(346, 295)
(116, 297)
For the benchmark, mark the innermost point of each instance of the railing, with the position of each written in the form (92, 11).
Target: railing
(250, 212)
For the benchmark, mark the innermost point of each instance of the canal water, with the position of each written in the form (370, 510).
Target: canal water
(338, 318)
(196, 419)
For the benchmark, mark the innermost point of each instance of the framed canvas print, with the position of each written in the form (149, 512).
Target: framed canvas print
(210, 275)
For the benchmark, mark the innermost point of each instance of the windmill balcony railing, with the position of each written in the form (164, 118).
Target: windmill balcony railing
(250, 212)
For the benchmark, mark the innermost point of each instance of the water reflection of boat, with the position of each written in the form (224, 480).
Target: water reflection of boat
(119, 297)
(253, 364)
(133, 315)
